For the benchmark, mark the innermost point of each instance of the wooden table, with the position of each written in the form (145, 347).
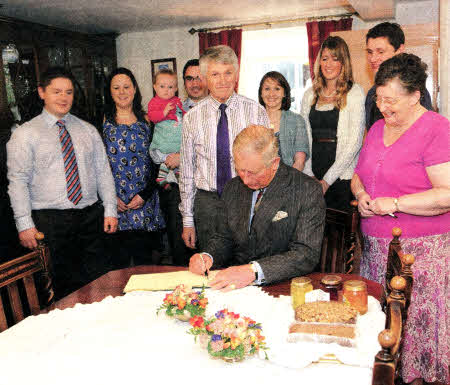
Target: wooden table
(112, 284)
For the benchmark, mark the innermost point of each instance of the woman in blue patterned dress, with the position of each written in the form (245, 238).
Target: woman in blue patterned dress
(127, 136)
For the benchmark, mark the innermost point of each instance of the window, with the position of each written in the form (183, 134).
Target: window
(284, 50)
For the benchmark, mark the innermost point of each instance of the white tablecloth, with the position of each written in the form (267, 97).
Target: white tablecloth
(122, 341)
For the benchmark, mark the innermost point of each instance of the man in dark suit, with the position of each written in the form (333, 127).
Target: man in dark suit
(271, 221)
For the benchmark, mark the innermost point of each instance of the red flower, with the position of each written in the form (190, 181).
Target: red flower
(197, 321)
(203, 302)
(181, 303)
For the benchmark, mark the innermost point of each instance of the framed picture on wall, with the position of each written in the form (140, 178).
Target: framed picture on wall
(160, 64)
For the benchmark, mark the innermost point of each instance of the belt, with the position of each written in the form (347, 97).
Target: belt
(324, 140)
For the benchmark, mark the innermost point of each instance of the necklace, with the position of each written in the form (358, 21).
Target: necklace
(327, 96)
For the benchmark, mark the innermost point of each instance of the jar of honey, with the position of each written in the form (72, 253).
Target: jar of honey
(355, 293)
(332, 284)
(299, 287)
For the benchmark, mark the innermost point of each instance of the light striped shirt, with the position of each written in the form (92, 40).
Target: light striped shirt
(36, 168)
(198, 146)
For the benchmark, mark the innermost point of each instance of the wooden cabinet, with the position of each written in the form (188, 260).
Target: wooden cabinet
(90, 58)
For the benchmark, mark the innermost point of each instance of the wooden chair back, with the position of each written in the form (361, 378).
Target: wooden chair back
(338, 254)
(398, 295)
(398, 264)
(16, 279)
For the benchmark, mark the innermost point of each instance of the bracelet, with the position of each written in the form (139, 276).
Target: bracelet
(396, 204)
(359, 192)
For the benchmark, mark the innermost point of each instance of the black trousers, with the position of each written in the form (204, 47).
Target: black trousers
(76, 241)
(136, 244)
(170, 201)
(339, 195)
(206, 210)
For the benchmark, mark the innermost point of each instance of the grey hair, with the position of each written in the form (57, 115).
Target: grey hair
(259, 140)
(222, 54)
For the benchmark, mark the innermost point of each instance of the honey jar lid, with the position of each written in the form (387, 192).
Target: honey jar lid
(331, 280)
(355, 285)
(301, 281)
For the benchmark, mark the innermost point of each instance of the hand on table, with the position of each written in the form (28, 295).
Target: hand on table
(235, 277)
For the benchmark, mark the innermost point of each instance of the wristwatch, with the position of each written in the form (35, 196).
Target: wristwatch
(255, 270)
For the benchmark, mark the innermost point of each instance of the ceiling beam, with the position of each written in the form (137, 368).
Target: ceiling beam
(374, 9)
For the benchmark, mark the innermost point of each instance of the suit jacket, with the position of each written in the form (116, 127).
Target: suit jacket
(284, 248)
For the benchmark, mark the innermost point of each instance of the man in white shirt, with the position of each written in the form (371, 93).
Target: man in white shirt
(57, 170)
(209, 130)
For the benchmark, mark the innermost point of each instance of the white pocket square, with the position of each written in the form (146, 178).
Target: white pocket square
(279, 215)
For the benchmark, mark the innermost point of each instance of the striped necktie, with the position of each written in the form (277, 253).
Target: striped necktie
(70, 164)
(258, 199)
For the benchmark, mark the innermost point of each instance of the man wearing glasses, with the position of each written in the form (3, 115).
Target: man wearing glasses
(194, 85)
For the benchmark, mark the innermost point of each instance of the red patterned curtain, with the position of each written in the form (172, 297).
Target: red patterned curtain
(318, 31)
(230, 37)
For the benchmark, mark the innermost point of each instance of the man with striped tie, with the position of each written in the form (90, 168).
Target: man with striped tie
(57, 170)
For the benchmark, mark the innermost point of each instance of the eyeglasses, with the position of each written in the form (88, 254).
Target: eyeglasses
(386, 100)
(191, 78)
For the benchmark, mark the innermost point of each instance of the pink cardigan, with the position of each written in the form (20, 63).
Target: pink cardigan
(156, 107)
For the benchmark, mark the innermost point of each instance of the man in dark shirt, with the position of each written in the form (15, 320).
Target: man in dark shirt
(382, 42)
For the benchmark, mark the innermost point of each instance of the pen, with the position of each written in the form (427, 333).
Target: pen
(392, 215)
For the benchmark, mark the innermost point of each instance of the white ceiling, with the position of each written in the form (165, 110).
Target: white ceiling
(93, 16)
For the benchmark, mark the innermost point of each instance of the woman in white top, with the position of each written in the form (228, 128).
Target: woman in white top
(333, 109)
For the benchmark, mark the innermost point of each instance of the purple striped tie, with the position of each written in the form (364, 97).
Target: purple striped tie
(70, 164)
(223, 151)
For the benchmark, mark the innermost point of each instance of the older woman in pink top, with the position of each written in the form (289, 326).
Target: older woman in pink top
(404, 169)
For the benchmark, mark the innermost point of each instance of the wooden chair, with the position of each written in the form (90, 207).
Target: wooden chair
(16, 279)
(339, 245)
(398, 295)
(398, 264)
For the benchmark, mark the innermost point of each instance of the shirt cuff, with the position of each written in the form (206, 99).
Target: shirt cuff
(209, 255)
(110, 210)
(261, 279)
(188, 222)
(24, 223)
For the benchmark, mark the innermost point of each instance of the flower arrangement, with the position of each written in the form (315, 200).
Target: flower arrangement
(183, 303)
(228, 335)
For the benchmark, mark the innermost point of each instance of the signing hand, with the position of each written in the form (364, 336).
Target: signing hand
(110, 225)
(188, 236)
(235, 277)
(168, 108)
(199, 265)
(173, 160)
(27, 238)
(136, 203)
(364, 205)
(121, 206)
(383, 206)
